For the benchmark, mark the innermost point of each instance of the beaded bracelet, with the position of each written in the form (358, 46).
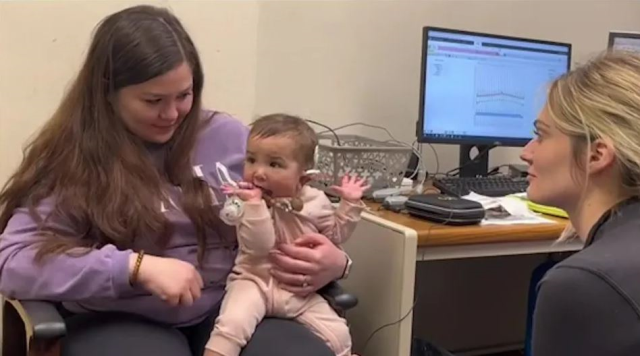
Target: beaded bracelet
(136, 269)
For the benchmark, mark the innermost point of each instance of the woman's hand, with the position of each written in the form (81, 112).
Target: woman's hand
(308, 264)
(174, 281)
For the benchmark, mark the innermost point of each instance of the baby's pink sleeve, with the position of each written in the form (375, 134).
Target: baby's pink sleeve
(337, 224)
(256, 234)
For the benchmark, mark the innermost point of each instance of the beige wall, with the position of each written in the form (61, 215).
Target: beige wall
(332, 61)
(346, 61)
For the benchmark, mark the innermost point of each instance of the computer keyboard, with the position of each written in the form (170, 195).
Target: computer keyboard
(490, 186)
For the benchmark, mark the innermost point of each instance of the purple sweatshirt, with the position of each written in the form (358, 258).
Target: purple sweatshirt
(99, 280)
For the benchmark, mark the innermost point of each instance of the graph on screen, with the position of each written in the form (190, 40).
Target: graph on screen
(627, 44)
(499, 96)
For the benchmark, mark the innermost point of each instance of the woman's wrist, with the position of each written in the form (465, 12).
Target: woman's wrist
(346, 269)
(135, 261)
(132, 262)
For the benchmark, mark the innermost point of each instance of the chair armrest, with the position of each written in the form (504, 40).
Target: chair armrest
(337, 297)
(41, 319)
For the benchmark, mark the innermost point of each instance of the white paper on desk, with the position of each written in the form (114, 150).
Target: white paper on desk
(487, 202)
(516, 207)
(515, 220)
(518, 211)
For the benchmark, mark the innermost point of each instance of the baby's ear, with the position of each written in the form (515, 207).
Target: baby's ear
(305, 178)
(308, 175)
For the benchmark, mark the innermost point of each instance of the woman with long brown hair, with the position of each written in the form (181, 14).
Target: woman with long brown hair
(113, 211)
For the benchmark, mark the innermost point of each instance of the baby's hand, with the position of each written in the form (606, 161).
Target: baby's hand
(245, 191)
(352, 188)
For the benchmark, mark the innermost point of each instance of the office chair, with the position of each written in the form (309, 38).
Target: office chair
(35, 328)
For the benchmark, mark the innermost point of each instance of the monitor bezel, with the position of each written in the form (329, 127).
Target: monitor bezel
(621, 34)
(471, 140)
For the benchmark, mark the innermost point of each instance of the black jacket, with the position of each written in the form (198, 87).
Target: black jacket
(589, 304)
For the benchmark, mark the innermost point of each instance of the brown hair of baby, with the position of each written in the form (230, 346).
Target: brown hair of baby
(289, 126)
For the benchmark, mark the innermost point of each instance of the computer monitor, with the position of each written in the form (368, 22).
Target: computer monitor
(626, 41)
(482, 90)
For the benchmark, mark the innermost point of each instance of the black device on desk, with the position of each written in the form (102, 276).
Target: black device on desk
(445, 209)
(481, 91)
(495, 186)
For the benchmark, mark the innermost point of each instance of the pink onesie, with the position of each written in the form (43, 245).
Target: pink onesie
(252, 293)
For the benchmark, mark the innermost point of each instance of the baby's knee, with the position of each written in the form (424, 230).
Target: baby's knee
(236, 324)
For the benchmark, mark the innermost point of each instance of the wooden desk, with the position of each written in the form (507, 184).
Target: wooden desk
(385, 248)
(433, 234)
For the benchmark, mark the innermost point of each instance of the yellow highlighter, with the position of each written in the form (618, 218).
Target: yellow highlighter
(543, 209)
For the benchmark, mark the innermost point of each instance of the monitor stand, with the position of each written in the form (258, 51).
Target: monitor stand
(477, 166)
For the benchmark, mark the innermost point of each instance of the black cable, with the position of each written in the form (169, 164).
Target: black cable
(496, 170)
(418, 161)
(328, 128)
(471, 161)
(364, 349)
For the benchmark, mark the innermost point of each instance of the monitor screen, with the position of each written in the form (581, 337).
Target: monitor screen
(625, 41)
(484, 89)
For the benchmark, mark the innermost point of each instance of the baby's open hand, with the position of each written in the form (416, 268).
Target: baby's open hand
(352, 188)
(245, 191)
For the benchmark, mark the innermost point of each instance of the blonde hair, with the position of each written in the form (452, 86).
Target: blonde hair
(601, 100)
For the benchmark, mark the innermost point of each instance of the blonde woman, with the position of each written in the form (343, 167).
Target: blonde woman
(586, 160)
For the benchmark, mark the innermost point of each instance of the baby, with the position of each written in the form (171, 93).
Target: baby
(278, 206)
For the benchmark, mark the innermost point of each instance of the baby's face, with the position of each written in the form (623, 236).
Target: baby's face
(271, 165)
